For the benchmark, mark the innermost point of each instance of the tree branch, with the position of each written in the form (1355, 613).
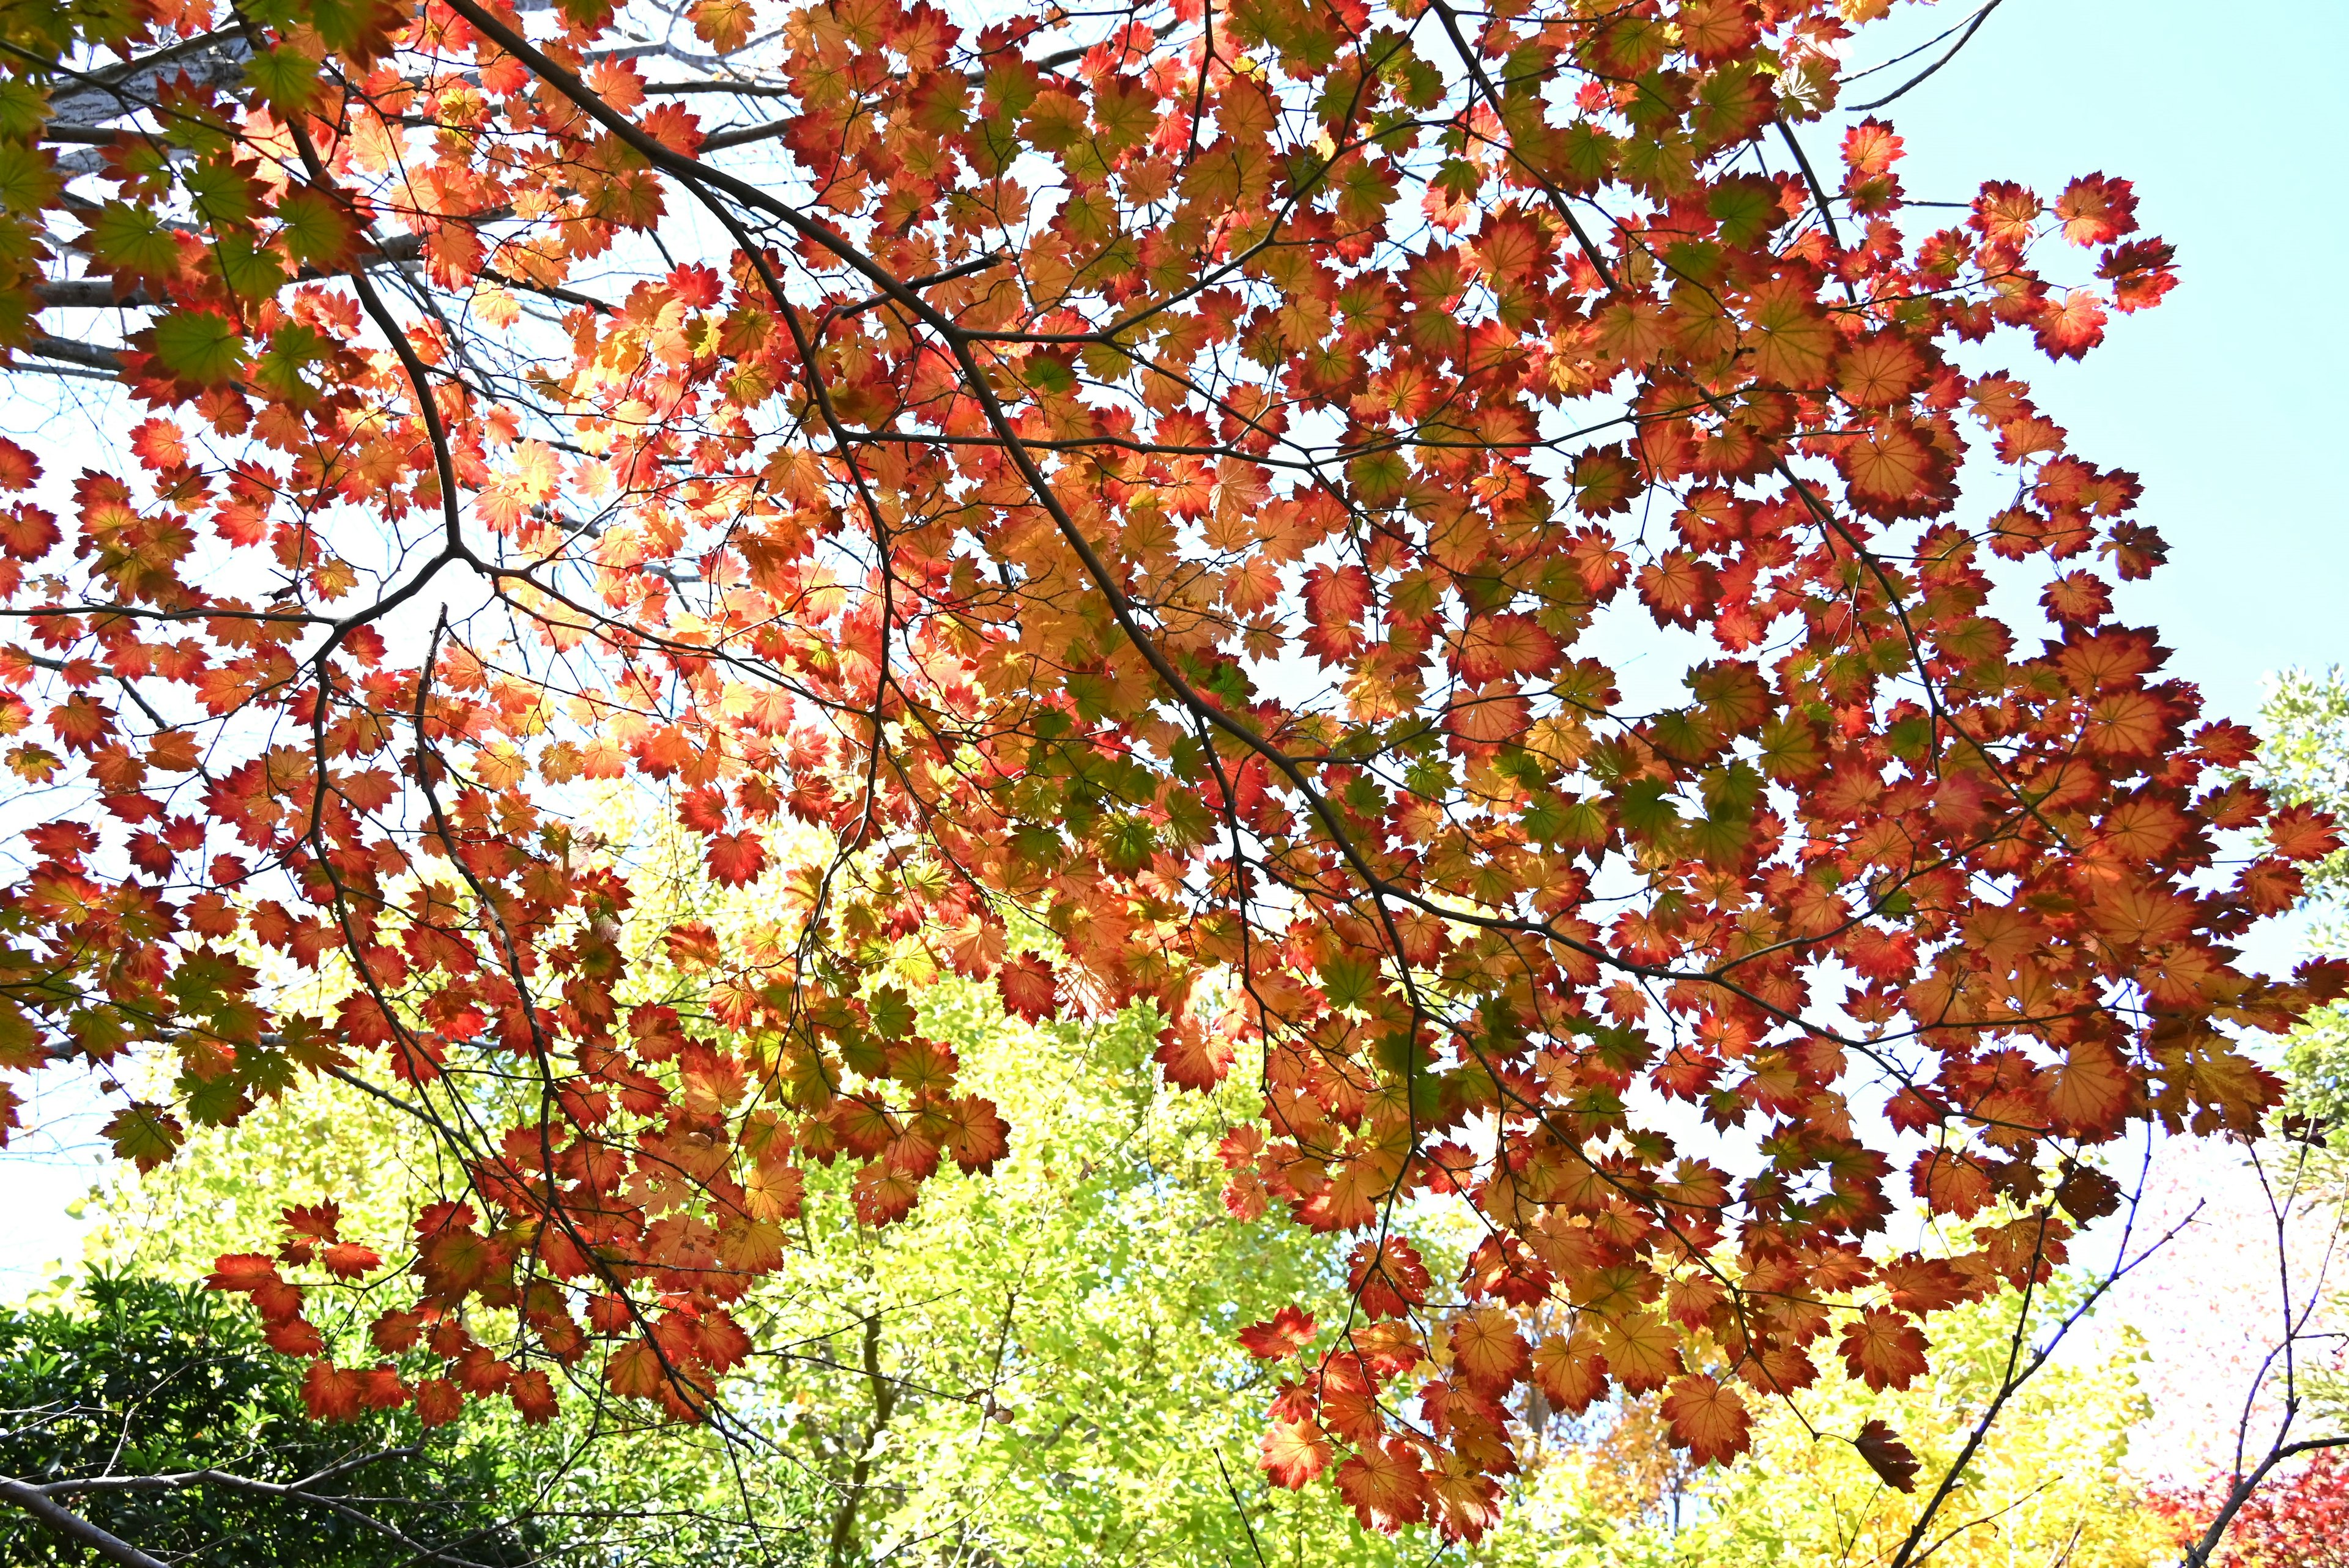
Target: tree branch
(74, 1527)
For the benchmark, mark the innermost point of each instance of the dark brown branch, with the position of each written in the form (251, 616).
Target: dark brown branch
(216, 60)
(2199, 1554)
(74, 1527)
(90, 356)
(1971, 28)
(766, 131)
(745, 89)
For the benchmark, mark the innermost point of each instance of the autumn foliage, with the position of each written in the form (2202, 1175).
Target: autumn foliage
(2299, 1522)
(1148, 510)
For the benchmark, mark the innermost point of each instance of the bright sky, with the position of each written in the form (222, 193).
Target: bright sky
(2230, 120)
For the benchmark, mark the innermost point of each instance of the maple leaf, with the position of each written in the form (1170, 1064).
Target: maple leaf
(1791, 337)
(723, 24)
(348, 1260)
(2096, 210)
(2303, 833)
(1888, 1456)
(437, 1402)
(635, 1371)
(977, 1135)
(1883, 1349)
(2089, 1089)
(883, 1194)
(1288, 1331)
(532, 1393)
(736, 859)
(1486, 1347)
(1385, 1485)
(200, 346)
(332, 1393)
(1293, 1453)
(1641, 1350)
(1709, 1417)
(145, 1134)
(1387, 1277)
(1029, 986)
(294, 1336)
(1191, 1058)
(1570, 1370)
(985, 603)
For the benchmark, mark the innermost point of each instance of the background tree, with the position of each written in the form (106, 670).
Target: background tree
(156, 1414)
(2283, 1499)
(1160, 502)
(2051, 1484)
(2301, 1518)
(1052, 1351)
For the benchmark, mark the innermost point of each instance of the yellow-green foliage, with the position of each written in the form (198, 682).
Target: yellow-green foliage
(2048, 1486)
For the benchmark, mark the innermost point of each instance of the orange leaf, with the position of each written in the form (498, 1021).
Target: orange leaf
(1029, 986)
(1709, 1417)
(736, 859)
(1293, 1453)
(332, 1393)
(1488, 1348)
(1288, 1331)
(1641, 1350)
(1386, 1486)
(1883, 1349)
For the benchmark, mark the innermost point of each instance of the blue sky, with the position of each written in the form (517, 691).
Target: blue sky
(2230, 120)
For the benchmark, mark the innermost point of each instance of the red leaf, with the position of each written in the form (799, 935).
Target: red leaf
(736, 859)
(1888, 1456)
(1293, 1453)
(348, 1260)
(1386, 1486)
(1029, 986)
(332, 1393)
(1710, 1418)
(1288, 1331)
(1883, 1349)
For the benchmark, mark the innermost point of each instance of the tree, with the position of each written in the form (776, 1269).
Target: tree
(1146, 508)
(163, 1421)
(2050, 1483)
(1052, 1361)
(2285, 1500)
(2301, 1521)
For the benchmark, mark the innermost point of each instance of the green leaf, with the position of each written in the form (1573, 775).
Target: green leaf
(250, 271)
(145, 1134)
(28, 181)
(124, 238)
(293, 348)
(1747, 208)
(1378, 477)
(221, 194)
(284, 78)
(1545, 819)
(1127, 842)
(317, 232)
(891, 1012)
(1049, 373)
(214, 1102)
(359, 28)
(1348, 981)
(22, 108)
(203, 347)
(1910, 737)
(1644, 811)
